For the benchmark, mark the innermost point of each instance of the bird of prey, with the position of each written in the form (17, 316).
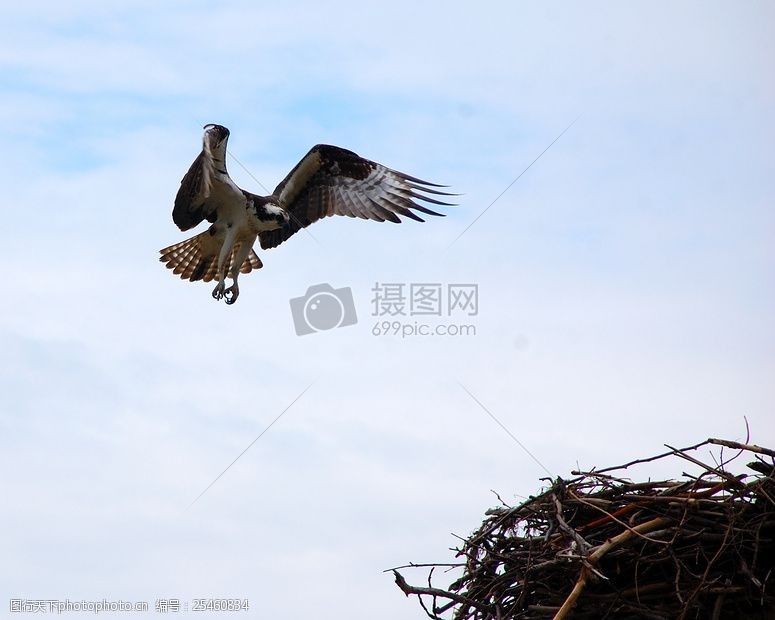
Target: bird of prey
(328, 180)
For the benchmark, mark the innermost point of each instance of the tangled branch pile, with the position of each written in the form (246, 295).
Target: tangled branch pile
(599, 546)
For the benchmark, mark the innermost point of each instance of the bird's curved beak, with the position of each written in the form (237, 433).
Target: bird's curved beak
(219, 132)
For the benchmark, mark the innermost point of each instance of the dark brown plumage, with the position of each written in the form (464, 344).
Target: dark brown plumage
(330, 180)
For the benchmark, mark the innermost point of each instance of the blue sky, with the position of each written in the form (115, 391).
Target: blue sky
(625, 282)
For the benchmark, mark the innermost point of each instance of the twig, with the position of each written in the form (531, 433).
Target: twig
(413, 565)
(652, 458)
(436, 592)
(715, 470)
(611, 516)
(598, 553)
(742, 446)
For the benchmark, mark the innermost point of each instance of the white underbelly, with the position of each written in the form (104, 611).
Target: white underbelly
(232, 204)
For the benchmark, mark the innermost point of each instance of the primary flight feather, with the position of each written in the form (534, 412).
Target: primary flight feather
(328, 180)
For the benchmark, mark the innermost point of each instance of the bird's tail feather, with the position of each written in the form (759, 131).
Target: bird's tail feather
(197, 258)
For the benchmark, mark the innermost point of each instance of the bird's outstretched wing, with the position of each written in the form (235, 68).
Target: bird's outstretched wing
(333, 181)
(191, 202)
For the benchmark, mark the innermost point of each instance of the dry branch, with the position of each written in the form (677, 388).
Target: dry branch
(599, 546)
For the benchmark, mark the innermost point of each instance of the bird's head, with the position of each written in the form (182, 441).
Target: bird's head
(278, 214)
(215, 136)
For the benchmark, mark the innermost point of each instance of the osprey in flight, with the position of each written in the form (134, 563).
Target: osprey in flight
(327, 181)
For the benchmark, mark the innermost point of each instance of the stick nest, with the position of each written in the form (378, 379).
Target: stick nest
(600, 546)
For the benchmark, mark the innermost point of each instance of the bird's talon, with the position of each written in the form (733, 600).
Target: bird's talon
(218, 291)
(231, 294)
